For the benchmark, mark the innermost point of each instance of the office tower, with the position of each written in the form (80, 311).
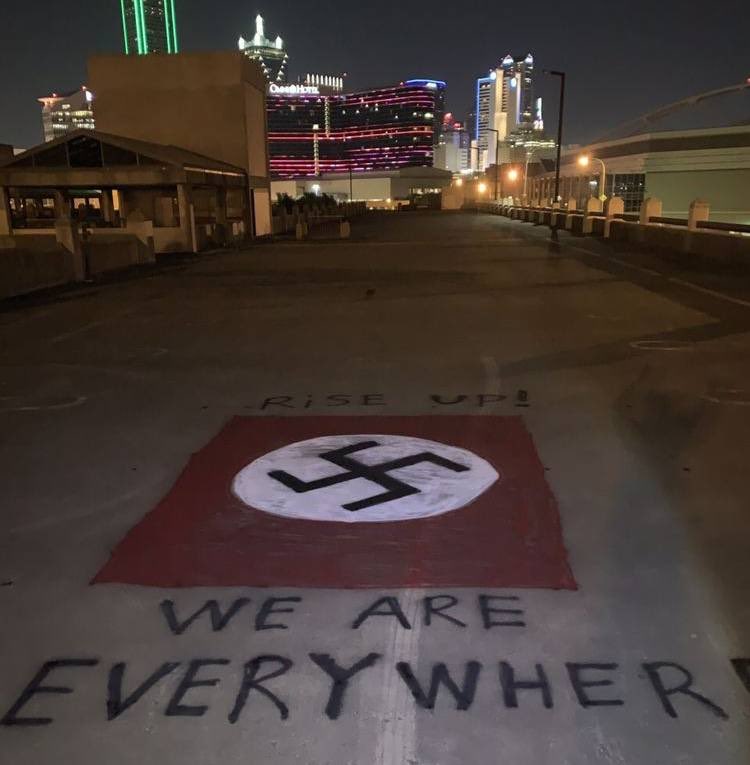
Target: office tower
(149, 26)
(270, 54)
(62, 113)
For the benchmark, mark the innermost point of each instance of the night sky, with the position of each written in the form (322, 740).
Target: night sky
(622, 59)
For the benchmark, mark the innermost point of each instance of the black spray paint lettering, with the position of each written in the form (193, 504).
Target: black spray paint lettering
(437, 605)
(338, 400)
(252, 682)
(116, 704)
(36, 687)
(511, 685)
(387, 606)
(333, 400)
(462, 694)
(269, 608)
(489, 607)
(221, 618)
(669, 681)
(341, 677)
(176, 708)
(683, 686)
(480, 400)
(488, 610)
(742, 668)
(285, 401)
(577, 672)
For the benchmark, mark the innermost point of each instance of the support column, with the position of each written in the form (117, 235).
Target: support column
(593, 205)
(62, 205)
(187, 216)
(613, 207)
(68, 237)
(699, 210)
(221, 216)
(651, 208)
(6, 221)
(108, 207)
(123, 204)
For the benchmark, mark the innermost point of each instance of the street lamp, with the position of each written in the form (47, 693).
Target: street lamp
(584, 161)
(526, 173)
(497, 153)
(561, 117)
(512, 176)
(482, 187)
(479, 154)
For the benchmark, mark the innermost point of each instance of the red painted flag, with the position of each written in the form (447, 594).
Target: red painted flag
(354, 502)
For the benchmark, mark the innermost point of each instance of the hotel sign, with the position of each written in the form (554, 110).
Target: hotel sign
(293, 90)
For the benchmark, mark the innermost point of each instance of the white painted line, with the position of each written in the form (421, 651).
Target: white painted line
(47, 407)
(731, 396)
(674, 280)
(636, 268)
(661, 345)
(73, 333)
(707, 291)
(491, 375)
(397, 735)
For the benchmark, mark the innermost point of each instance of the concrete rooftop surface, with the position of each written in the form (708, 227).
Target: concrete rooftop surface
(446, 493)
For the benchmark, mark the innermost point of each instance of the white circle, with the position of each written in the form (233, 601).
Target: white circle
(446, 478)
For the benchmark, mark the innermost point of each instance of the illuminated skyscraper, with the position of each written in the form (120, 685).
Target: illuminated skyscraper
(63, 112)
(382, 129)
(505, 106)
(149, 26)
(270, 54)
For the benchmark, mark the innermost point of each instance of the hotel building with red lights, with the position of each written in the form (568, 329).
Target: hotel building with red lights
(391, 128)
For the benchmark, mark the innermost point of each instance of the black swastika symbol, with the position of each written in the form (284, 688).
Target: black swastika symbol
(378, 474)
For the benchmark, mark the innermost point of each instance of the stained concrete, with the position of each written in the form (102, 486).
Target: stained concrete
(637, 390)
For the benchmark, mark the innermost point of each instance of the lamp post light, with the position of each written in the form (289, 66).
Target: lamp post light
(526, 173)
(497, 154)
(560, 120)
(512, 175)
(478, 150)
(585, 161)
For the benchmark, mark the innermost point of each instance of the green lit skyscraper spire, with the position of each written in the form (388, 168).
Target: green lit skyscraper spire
(149, 26)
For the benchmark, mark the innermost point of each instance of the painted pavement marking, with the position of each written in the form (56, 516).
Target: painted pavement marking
(299, 502)
(672, 279)
(421, 479)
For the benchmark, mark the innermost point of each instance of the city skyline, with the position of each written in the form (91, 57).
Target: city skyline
(636, 74)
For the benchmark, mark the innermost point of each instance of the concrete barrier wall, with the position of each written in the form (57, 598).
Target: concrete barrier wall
(170, 239)
(113, 252)
(34, 239)
(26, 270)
(719, 246)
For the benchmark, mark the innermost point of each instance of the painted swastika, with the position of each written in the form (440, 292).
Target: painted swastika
(378, 474)
(364, 478)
